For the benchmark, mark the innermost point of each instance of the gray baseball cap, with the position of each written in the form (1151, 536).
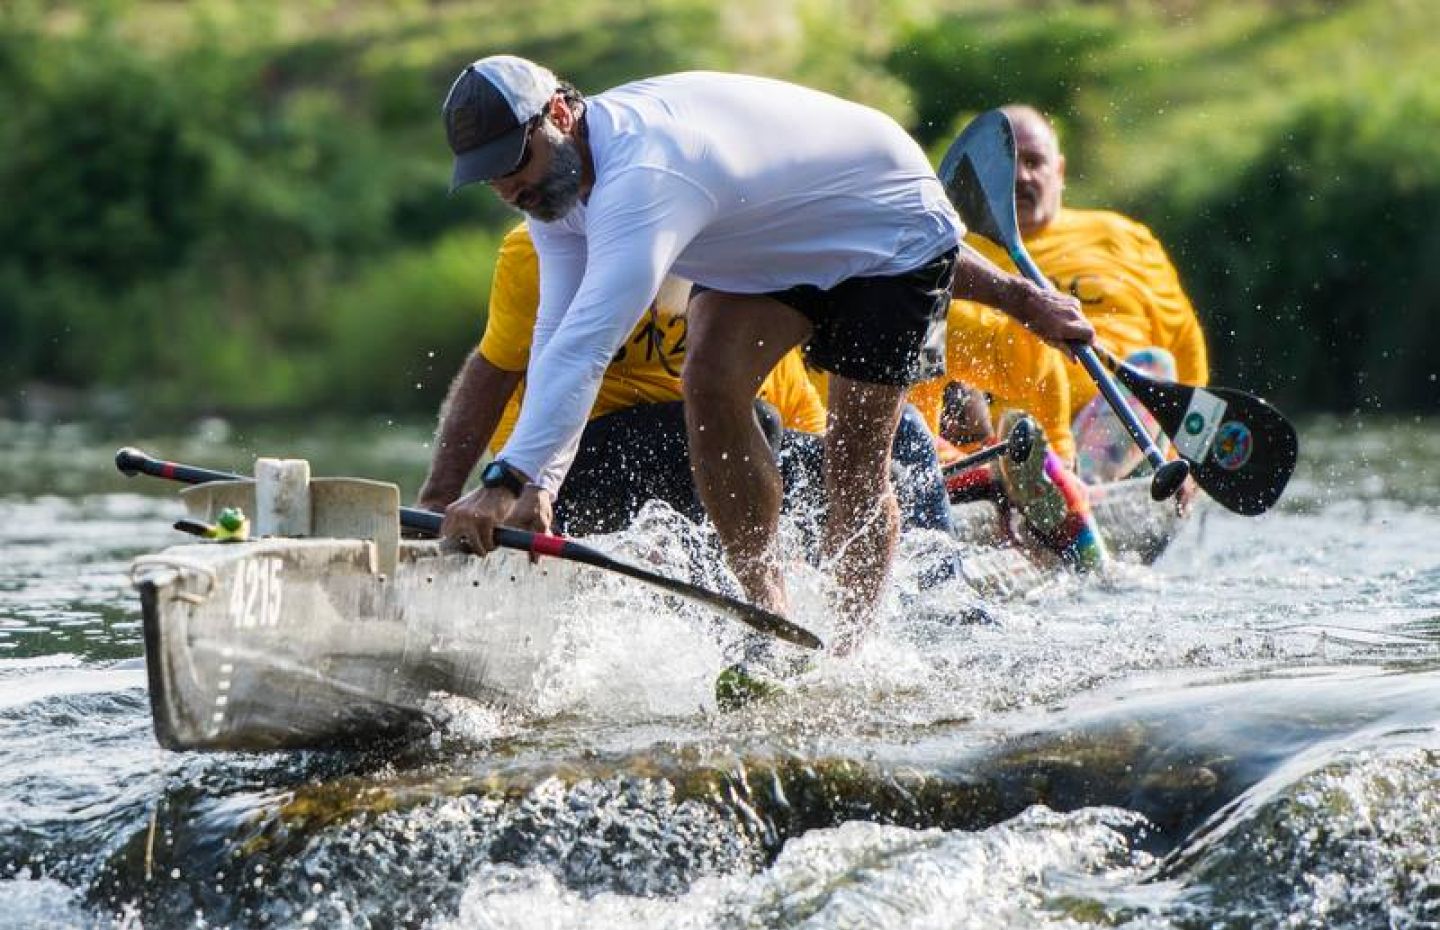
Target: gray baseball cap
(486, 111)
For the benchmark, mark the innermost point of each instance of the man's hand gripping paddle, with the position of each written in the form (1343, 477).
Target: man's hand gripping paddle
(1240, 449)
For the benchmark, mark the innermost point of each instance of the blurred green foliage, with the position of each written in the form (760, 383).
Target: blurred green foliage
(965, 64)
(240, 205)
(1321, 253)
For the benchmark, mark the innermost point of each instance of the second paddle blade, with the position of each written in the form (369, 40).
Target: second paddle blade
(1242, 451)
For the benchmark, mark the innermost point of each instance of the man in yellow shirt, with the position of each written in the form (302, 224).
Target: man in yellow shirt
(1115, 267)
(989, 352)
(634, 448)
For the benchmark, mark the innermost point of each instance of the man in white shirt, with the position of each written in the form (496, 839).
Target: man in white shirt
(801, 218)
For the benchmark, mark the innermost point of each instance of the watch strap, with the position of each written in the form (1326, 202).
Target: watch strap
(500, 474)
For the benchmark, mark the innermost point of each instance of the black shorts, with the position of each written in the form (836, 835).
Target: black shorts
(632, 456)
(882, 330)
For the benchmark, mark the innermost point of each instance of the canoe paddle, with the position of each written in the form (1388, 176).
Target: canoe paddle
(978, 172)
(132, 461)
(1017, 445)
(1239, 448)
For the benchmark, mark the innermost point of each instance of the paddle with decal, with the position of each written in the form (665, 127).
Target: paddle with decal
(132, 461)
(978, 172)
(1239, 448)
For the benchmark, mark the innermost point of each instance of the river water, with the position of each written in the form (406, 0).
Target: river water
(1244, 735)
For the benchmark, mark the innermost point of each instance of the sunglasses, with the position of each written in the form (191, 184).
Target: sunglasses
(524, 149)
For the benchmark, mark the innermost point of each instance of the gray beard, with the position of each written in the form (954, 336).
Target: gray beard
(558, 192)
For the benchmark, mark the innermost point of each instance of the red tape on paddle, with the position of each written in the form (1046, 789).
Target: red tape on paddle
(547, 545)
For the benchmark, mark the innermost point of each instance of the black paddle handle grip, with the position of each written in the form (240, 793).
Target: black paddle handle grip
(1017, 445)
(132, 461)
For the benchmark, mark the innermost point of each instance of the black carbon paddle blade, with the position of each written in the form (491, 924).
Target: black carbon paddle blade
(978, 172)
(1241, 450)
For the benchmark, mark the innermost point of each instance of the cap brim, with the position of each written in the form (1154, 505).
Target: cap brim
(494, 159)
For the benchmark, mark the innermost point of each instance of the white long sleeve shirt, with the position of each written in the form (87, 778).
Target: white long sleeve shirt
(742, 184)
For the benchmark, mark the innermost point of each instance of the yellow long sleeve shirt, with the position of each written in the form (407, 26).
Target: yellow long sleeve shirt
(1126, 285)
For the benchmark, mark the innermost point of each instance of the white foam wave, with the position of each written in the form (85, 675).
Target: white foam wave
(854, 875)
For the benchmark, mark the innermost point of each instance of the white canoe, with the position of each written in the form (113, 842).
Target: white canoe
(282, 643)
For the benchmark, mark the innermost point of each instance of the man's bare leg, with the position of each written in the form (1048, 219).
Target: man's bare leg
(863, 521)
(734, 342)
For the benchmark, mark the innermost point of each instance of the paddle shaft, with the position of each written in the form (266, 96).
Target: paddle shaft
(1102, 378)
(975, 459)
(1017, 444)
(133, 461)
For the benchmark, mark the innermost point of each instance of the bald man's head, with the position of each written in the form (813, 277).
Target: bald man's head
(1039, 168)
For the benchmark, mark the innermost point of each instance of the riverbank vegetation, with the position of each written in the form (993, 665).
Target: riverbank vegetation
(241, 207)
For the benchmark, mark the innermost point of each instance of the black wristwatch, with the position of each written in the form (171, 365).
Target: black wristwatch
(498, 474)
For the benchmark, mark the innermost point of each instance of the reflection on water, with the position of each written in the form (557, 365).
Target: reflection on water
(1243, 736)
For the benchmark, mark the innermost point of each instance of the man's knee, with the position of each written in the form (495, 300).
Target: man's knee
(912, 437)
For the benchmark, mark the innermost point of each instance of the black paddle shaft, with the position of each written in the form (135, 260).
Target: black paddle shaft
(132, 461)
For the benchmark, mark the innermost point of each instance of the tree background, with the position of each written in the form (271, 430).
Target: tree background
(240, 206)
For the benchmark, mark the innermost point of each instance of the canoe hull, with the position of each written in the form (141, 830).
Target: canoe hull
(280, 644)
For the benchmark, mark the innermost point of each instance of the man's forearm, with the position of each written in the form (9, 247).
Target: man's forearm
(978, 280)
(468, 418)
(1049, 314)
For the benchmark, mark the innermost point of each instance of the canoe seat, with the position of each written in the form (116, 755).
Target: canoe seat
(285, 501)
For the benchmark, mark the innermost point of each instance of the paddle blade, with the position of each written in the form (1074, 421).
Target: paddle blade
(1241, 450)
(978, 172)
